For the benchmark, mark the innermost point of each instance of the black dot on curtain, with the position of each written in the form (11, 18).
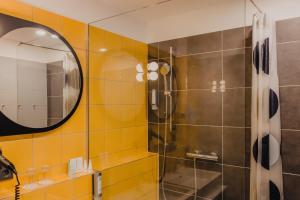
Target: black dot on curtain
(273, 103)
(274, 191)
(255, 150)
(266, 56)
(256, 57)
(265, 156)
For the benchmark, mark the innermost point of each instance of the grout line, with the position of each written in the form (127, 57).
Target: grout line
(158, 100)
(208, 89)
(245, 78)
(295, 130)
(207, 52)
(131, 177)
(291, 174)
(284, 86)
(147, 193)
(185, 194)
(222, 110)
(214, 126)
(108, 105)
(236, 166)
(203, 161)
(87, 112)
(289, 42)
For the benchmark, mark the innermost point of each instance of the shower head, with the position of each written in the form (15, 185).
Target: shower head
(165, 69)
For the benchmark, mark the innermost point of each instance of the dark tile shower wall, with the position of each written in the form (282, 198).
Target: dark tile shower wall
(288, 47)
(204, 120)
(220, 122)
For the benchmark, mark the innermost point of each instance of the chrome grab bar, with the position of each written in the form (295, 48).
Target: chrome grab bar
(212, 157)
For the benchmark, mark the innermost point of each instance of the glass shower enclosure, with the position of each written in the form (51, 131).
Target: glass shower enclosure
(198, 80)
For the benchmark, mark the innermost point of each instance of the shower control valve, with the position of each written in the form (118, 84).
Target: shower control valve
(214, 87)
(222, 86)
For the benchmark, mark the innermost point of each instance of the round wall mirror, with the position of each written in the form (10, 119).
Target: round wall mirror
(40, 78)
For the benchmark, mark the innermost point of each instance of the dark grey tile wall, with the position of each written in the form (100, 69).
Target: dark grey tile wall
(288, 50)
(204, 120)
(220, 122)
(55, 82)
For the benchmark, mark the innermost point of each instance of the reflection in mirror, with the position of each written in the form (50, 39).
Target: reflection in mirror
(39, 78)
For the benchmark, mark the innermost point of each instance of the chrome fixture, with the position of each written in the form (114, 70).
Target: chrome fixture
(197, 155)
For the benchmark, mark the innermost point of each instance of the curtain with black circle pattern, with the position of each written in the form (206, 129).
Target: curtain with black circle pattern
(266, 165)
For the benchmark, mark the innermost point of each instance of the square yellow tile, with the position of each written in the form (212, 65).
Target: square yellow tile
(113, 67)
(96, 64)
(82, 186)
(97, 118)
(128, 138)
(127, 114)
(141, 136)
(35, 195)
(77, 123)
(15, 151)
(113, 141)
(150, 196)
(75, 33)
(112, 42)
(61, 191)
(129, 71)
(73, 145)
(96, 39)
(15, 137)
(48, 19)
(83, 100)
(113, 118)
(113, 93)
(97, 143)
(81, 54)
(97, 91)
(127, 93)
(141, 115)
(128, 45)
(47, 150)
(141, 93)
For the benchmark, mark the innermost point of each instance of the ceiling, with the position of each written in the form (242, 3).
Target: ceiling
(157, 20)
(132, 18)
(91, 10)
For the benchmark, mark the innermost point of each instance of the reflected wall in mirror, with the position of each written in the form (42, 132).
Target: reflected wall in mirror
(40, 78)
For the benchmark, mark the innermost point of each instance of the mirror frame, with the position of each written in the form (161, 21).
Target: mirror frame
(7, 126)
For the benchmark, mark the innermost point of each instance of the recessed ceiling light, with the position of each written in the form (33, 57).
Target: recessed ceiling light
(103, 50)
(54, 36)
(40, 32)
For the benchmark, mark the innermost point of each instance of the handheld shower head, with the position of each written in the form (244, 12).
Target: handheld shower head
(165, 69)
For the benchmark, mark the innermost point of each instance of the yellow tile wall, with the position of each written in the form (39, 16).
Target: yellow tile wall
(118, 117)
(56, 147)
(117, 113)
(118, 104)
(73, 189)
(133, 181)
